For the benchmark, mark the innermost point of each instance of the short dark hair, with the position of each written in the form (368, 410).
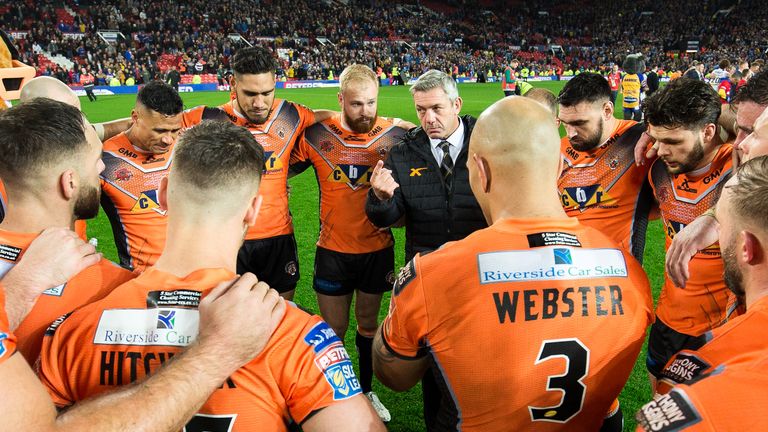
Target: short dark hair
(585, 87)
(160, 97)
(684, 102)
(37, 134)
(216, 154)
(755, 90)
(750, 194)
(253, 60)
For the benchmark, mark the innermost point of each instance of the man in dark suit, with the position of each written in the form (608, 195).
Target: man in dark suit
(425, 181)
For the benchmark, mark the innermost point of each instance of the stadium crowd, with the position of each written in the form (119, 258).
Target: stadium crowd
(463, 38)
(523, 246)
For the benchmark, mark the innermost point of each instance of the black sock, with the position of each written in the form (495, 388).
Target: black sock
(365, 360)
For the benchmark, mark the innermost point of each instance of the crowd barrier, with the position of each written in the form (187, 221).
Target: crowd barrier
(190, 88)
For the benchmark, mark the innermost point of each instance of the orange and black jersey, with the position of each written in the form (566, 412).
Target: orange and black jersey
(343, 163)
(89, 285)
(143, 323)
(740, 340)
(278, 135)
(605, 190)
(129, 184)
(538, 330)
(7, 339)
(702, 305)
(729, 398)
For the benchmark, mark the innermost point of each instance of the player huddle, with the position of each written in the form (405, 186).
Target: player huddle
(533, 323)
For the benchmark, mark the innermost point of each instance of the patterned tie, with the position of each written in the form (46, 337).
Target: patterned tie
(446, 165)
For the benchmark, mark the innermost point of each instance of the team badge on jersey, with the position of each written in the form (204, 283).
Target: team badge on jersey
(333, 361)
(353, 175)
(584, 196)
(147, 201)
(123, 175)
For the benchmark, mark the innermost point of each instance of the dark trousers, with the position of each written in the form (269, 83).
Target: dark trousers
(89, 92)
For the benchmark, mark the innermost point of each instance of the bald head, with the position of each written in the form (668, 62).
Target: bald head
(50, 88)
(515, 160)
(517, 131)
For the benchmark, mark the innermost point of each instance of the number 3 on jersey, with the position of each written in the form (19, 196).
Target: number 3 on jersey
(570, 383)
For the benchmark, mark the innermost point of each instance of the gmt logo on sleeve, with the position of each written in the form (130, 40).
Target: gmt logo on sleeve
(333, 361)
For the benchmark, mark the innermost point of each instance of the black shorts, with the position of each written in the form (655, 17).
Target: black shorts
(338, 273)
(664, 342)
(273, 260)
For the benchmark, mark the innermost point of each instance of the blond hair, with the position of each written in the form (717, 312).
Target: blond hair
(356, 73)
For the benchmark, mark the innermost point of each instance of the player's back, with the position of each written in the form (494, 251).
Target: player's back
(344, 162)
(537, 330)
(145, 322)
(605, 190)
(129, 182)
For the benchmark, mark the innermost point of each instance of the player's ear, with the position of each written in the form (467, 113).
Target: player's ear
(162, 194)
(483, 172)
(458, 104)
(607, 110)
(68, 184)
(709, 132)
(253, 211)
(341, 98)
(751, 249)
(134, 116)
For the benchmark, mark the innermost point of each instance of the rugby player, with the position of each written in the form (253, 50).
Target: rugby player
(687, 178)
(135, 162)
(270, 249)
(52, 88)
(212, 195)
(52, 172)
(719, 398)
(352, 254)
(535, 286)
(51, 176)
(600, 184)
(751, 101)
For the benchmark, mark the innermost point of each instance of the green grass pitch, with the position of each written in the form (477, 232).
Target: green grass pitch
(393, 102)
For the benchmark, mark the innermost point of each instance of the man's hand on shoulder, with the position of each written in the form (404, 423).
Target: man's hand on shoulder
(643, 152)
(699, 234)
(52, 259)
